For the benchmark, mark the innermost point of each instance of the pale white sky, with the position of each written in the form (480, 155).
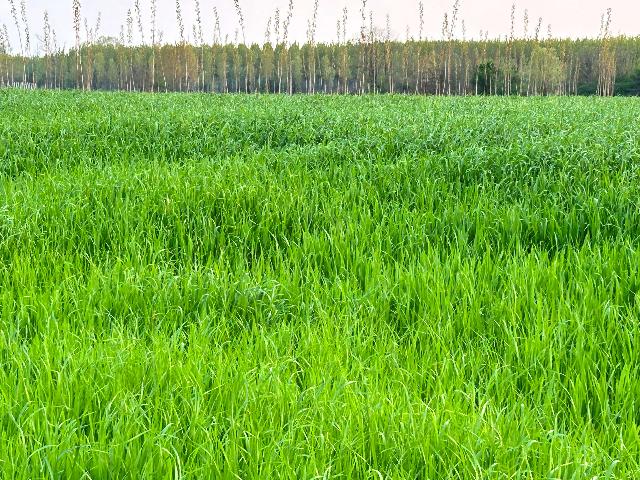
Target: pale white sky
(568, 18)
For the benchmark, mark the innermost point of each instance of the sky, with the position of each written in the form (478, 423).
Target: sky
(568, 18)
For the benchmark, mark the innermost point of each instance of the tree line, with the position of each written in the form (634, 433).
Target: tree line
(372, 63)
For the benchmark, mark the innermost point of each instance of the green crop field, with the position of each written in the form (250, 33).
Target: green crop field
(197, 286)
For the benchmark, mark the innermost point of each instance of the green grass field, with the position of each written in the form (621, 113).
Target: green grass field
(198, 286)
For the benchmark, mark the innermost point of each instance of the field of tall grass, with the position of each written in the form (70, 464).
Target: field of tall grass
(197, 286)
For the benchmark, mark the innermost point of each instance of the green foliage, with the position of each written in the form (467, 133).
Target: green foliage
(197, 286)
(486, 73)
(628, 84)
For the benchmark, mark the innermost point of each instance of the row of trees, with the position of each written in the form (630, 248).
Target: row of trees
(461, 68)
(372, 63)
